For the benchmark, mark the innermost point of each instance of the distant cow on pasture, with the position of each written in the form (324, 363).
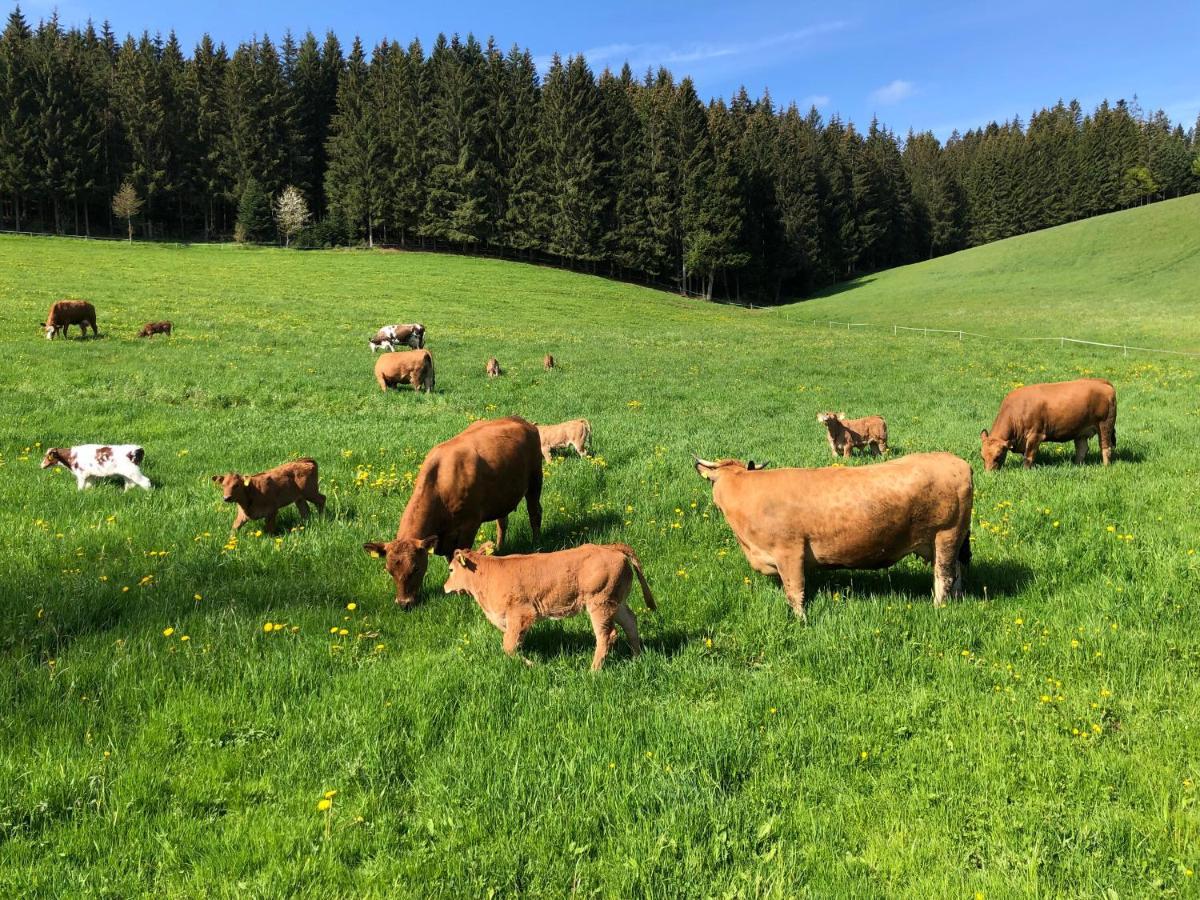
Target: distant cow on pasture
(848, 434)
(65, 313)
(1058, 412)
(865, 517)
(577, 433)
(493, 368)
(152, 328)
(477, 476)
(516, 591)
(413, 367)
(392, 337)
(94, 461)
(261, 496)
(548, 363)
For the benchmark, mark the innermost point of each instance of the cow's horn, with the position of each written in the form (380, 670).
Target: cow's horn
(703, 462)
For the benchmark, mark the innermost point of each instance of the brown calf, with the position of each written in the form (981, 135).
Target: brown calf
(846, 434)
(516, 591)
(548, 362)
(577, 433)
(152, 328)
(65, 313)
(261, 496)
(413, 367)
(493, 367)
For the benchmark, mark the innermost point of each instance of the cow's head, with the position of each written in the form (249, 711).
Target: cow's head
(235, 488)
(49, 329)
(463, 567)
(714, 470)
(55, 456)
(406, 561)
(994, 451)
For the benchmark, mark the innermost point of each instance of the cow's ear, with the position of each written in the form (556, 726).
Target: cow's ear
(487, 548)
(217, 479)
(427, 544)
(375, 549)
(983, 435)
(461, 559)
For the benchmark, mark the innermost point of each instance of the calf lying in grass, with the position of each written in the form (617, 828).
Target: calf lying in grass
(515, 591)
(261, 496)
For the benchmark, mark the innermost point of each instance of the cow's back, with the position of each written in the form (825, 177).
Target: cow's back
(71, 312)
(476, 476)
(862, 516)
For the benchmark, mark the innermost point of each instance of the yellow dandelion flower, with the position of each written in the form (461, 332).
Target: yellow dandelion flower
(184, 637)
(342, 632)
(267, 627)
(167, 632)
(323, 805)
(864, 755)
(333, 630)
(329, 795)
(352, 606)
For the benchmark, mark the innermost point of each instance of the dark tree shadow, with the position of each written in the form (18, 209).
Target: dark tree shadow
(840, 287)
(1001, 579)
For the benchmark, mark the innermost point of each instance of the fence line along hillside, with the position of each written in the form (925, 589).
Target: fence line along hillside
(1061, 341)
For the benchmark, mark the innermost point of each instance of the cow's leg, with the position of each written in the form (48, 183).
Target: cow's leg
(140, 480)
(546, 454)
(1032, 442)
(382, 382)
(847, 449)
(628, 622)
(81, 480)
(501, 528)
(946, 571)
(602, 626)
(302, 506)
(319, 499)
(874, 447)
(533, 503)
(579, 449)
(1108, 437)
(1080, 450)
(516, 623)
(240, 519)
(269, 521)
(791, 573)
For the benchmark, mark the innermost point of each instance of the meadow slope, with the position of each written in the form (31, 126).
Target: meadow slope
(1039, 737)
(1123, 278)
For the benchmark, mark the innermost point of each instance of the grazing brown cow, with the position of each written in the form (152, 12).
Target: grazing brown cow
(846, 434)
(1063, 411)
(65, 313)
(577, 433)
(413, 367)
(516, 591)
(866, 517)
(152, 328)
(493, 368)
(478, 476)
(548, 362)
(261, 496)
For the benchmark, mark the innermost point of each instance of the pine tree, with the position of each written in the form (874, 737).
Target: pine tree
(254, 223)
(214, 172)
(313, 87)
(355, 177)
(18, 102)
(138, 99)
(521, 222)
(627, 229)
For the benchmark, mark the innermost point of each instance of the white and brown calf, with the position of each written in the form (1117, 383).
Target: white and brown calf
(392, 337)
(88, 461)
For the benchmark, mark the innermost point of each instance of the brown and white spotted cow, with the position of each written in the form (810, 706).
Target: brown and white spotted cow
(392, 337)
(88, 461)
(65, 313)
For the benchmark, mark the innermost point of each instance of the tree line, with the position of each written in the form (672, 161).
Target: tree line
(468, 147)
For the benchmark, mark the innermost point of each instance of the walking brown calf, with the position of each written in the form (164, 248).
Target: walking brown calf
(261, 496)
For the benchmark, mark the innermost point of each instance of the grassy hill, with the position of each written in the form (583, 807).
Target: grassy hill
(1037, 738)
(1124, 278)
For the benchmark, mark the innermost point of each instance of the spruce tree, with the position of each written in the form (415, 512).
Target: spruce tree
(355, 177)
(254, 222)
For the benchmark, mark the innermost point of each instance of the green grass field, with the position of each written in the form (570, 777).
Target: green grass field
(1041, 737)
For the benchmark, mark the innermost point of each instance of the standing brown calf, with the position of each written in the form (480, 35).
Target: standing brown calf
(152, 328)
(846, 434)
(413, 367)
(577, 433)
(548, 362)
(261, 496)
(515, 591)
(493, 367)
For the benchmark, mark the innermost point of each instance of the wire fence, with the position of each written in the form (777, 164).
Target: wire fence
(1126, 349)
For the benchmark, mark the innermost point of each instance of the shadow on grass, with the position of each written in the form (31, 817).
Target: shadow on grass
(1002, 579)
(559, 535)
(1051, 460)
(545, 642)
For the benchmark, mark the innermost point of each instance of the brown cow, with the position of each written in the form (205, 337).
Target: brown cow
(413, 367)
(152, 328)
(393, 336)
(866, 517)
(548, 362)
(65, 313)
(493, 368)
(846, 434)
(516, 591)
(478, 476)
(261, 496)
(577, 433)
(1063, 411)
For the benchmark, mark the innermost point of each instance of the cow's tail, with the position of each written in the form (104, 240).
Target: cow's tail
(429, 368)
(636, 565)
(964, 550)
(587, 435)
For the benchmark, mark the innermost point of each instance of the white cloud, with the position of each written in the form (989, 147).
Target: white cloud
(893, 93)
(640, 56)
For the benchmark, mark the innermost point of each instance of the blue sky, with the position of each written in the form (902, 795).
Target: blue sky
(934, 66)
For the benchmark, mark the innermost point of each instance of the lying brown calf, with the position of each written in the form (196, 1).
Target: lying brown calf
(577, 433)
(152, 328)
(548, 362)
(846, 434)
(413, 367)
(261, 496)
(493, 367)
(515, 591)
